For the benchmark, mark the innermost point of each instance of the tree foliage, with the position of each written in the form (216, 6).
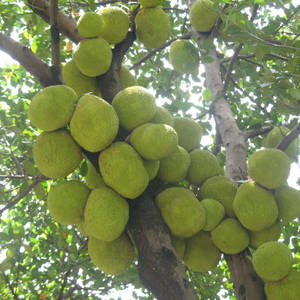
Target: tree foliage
(256, 46)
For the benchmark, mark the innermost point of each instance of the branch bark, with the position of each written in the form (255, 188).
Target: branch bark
(287, 139)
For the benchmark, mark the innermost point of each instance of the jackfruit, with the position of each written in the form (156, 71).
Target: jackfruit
(215, 212)
(106, 214)
(201, 255)
(184, 56)
(152, 167)
(203, 166)
(127, 79)
(162, 116)
(93, 57)
(66, 201)
(181, 211)
(116, 24)
(134, 106)
(90, 25)
(189, 133)
(255, 207)
(123, 170)
(285, 289)
(80, 83)
(222, 189)
(269, 167)
(179, 245)
(174, 167)
(52, 107)
(271, 233)
(150, 3)
(153, 27)
(56, 154)
(93, 179)
(230, 237)
(275, 136)
(288, 201)
(113, 258)
(272, 261)
(203, 15)
(154, 141)
(94, 124)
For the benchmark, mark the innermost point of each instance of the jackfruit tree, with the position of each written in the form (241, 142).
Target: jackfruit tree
(149, 149)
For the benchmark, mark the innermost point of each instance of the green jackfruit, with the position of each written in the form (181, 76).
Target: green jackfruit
(269, 167)
(52, 107)
(215, 212)
(255, 207)
(106, 214)
(230, 237)
(272, 261)
(93, 179)
(94, 124)
(112, 258)
(90, 25)
(66, 201)
(56, 154)
(150, 3)
(181, 211)
(153, 27)
(134, 106)
(154, 141)
(162, 116)
(93, 57)
(127, 79)
(123, 170)
(179, 245)
(152, 167)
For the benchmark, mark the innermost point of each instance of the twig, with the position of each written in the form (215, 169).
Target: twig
(55, 37)
(287, 139)
(12, 202)
(285, 22)
(15, 177)
(166, 44)
(248, 134)
(10, 286)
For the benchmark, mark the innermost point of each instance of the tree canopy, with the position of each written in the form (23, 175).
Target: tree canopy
(247, 83)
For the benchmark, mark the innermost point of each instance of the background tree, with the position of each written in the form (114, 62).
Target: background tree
(248, 83)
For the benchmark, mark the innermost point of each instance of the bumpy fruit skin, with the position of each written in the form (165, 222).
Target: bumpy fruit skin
(181, 211)
(90, 25)
(113, 258)
(150, 3)
(215, 212)
(66, 201)
(179, 245)
(201, 255)
(152, 27)
(94, 124)
(56, 154)
(123, 170)
(134, 106)
(184, 56)
(275, 136)
(272, 261)
(80, 83)
(162, 116)
(230, 237)
(203, 15)
(269, 167)
(152, 167)
(52, 107)
(127, 79)
(203, 166)
(189, 133)
(288, 201)
(116, 24)
(285, 289)
(255, 207)
(93, 179)
(106, 214)
(222, 189)
(93, 57)
(174, 167)
(271, 233)
(154, 141)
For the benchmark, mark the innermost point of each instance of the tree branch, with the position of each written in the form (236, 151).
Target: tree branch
(32, 63)
(257, 131)
(65, 24)
(13, 202)
(163, 46)
(287, 139)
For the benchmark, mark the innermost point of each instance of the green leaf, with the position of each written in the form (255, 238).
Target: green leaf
(207, 95)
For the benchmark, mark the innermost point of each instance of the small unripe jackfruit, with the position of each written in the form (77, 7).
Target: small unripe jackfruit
(214, 213)
(162, 116)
